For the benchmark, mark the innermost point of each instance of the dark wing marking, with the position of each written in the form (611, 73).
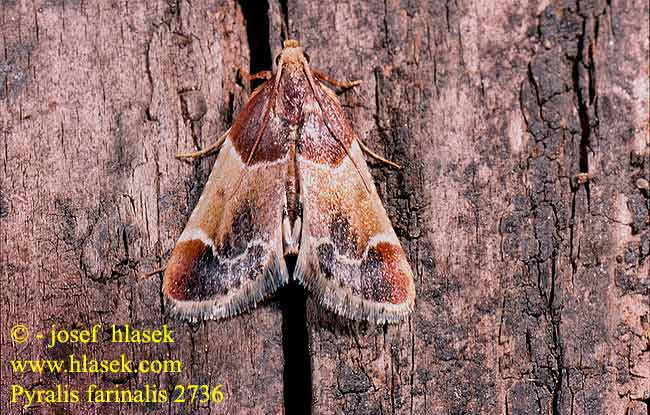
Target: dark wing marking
(350, 256)
(230, 255)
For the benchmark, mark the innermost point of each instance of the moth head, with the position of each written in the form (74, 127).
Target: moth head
(292, 53)
(290, 43)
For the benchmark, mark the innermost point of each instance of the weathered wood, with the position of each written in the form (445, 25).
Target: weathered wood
(97, 99)
(523, 130)
(518, 205)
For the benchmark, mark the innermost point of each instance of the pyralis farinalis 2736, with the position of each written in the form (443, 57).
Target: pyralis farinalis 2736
(290, 179)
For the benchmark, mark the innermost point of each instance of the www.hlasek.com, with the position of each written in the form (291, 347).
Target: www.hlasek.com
(83, 363)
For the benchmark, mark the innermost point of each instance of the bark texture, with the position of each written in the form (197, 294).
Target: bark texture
(524, 133)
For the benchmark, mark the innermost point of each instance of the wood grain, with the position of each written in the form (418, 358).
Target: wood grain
(523, 129)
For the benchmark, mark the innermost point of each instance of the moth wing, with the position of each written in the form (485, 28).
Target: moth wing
(350, 257)
(230, 255)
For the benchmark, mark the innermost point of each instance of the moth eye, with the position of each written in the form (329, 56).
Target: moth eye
(277, 59)
(307, 56)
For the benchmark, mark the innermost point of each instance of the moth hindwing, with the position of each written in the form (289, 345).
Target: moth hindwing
(290, 179)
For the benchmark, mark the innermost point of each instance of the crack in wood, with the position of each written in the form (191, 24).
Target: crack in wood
(297, 376)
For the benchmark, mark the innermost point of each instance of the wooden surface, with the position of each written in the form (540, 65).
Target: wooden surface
(523, 204)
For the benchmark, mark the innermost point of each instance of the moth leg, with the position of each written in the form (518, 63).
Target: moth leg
(376, 156)
(206, 151)
(152, 273)
(260, 75)
(334, 82)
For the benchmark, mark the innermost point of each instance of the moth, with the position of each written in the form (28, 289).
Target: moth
(290, 180)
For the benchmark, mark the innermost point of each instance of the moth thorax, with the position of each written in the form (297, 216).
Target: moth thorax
(292, 53)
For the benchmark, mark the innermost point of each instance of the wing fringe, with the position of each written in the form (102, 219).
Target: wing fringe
(342, 301)
(275, 276)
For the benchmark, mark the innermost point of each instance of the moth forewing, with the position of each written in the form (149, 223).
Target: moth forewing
(230, 255)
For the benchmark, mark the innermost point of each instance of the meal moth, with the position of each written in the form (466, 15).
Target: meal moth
(290, 180)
